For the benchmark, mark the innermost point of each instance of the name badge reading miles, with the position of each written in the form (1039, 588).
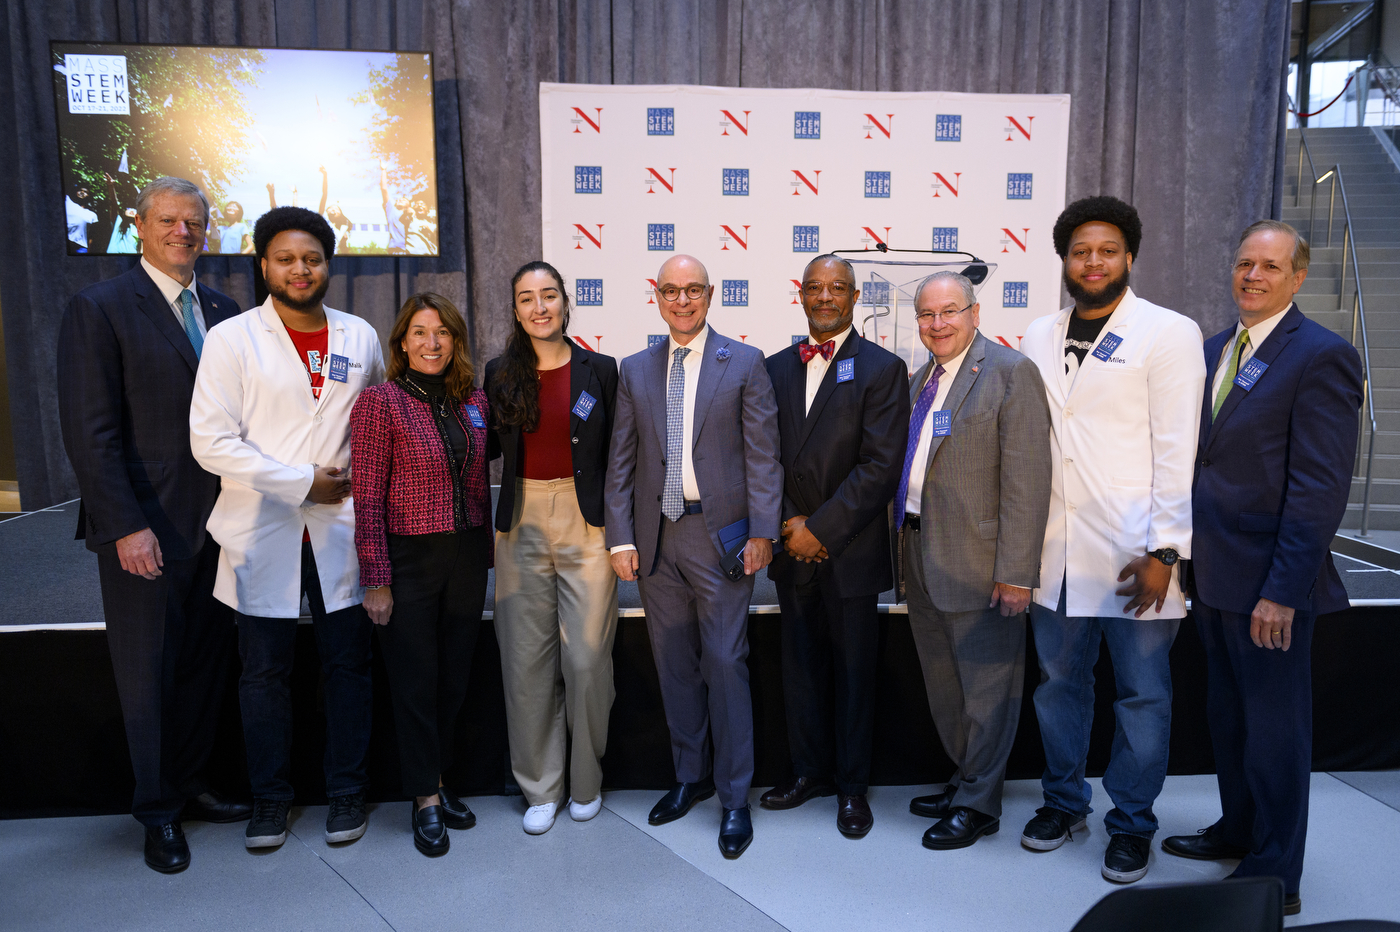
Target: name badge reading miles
(942, 423)
(477, 420)
(584, 406)
(1250, 374)
(845, 370)
(1107, 345)
(339, 368)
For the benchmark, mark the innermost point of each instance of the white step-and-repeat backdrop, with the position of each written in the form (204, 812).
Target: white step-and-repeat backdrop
(755, 182)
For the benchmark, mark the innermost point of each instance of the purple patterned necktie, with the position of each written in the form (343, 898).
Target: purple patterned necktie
(916, 427)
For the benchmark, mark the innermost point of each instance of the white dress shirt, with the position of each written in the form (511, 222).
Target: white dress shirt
(171, 289)
(817, 366)
(1257, 335)
(919, 467)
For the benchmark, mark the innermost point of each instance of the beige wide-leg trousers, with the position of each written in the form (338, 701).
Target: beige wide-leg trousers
(556, 617)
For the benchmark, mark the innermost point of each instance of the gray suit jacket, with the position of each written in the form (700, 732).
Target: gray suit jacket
(986, 494)
(734, 446)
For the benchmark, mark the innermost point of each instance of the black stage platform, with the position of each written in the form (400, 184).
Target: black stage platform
(62, 739)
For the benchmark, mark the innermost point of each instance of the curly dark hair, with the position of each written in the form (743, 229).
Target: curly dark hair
(282, 219)
(515, 393)
(1105, 209)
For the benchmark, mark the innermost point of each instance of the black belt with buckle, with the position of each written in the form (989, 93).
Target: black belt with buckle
(692, 508)
(911, 522)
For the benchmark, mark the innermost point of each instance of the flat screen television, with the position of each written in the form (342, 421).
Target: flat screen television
(347, 134)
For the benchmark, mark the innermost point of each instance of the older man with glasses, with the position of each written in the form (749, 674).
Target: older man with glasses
(971, 506)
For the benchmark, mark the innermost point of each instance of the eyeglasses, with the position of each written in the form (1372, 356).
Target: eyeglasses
(837, 289)
(673, 292)
(926, 318)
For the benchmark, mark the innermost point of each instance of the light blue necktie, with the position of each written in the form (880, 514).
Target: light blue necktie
(191, 325)
(673, 493)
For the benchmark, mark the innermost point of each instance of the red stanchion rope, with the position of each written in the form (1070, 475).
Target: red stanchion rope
(1333, 101)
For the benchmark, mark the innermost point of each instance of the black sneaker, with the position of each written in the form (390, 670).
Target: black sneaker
(267, 827)
(346, 819)
(1126, 858)
(1049, 829)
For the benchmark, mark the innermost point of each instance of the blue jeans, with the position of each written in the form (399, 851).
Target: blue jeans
(1064, 704)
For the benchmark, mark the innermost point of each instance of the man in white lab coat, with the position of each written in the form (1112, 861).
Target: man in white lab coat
(1124, 380)
(271, 416)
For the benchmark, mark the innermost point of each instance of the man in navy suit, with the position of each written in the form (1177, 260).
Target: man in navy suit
(1273, 471)
(843, 413)
(695, 455)
(130, 347)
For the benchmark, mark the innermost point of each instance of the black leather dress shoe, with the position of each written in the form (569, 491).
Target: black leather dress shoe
(455, 813)
(429, 832)
(932, 807)
(1205, 845)
(794, 793)
(959, 829)
(853, 816)
(735, 832)
(214, 807)
(678, 802)
(166, 848)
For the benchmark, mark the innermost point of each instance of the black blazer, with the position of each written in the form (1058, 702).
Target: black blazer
(842, 462)
(588, 371)
(124, 390)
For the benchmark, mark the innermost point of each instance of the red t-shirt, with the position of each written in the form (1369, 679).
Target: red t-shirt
(313, 350)
(548, 453)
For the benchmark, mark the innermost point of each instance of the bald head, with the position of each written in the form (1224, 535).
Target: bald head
(683, 293)
(682, 269)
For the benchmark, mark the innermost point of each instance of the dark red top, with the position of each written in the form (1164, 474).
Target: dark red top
(312, 349)
(548, 453)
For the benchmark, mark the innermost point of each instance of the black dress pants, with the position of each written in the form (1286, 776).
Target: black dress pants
(170, 642)
(439, 589)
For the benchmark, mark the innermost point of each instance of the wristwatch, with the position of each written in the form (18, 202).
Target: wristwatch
(1167, 555)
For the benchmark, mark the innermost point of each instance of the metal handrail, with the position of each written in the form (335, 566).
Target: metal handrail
(1358, 308)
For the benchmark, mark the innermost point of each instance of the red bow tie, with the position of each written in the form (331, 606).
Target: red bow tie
(808, 350)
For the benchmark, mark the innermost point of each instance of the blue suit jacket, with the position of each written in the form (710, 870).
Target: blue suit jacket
(1273, 472)
(124, 404)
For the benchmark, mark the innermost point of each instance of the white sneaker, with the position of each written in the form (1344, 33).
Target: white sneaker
(540, 819)
(582, 812)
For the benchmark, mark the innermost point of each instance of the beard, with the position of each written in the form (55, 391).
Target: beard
(310, 301)
(1108, 291)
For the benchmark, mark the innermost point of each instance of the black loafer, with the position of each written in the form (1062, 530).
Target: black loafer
(166, 848)
(794, 793)
(959, 829)
(1205, 845)
(735, 832)
(678, 802)
(932, 807)
(455, 813)
(429, 833)
(214, 807)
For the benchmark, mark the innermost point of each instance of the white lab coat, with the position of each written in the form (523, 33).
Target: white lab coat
(254, 422)
(1122, 447)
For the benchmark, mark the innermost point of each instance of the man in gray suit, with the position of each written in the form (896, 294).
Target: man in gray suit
(972, 504)
(693, 476)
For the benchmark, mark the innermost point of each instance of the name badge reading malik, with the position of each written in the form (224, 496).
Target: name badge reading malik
(1250, 374)
(584, 406)
(845, 370)
(942, 423)
(338, 369)
(1107, 345)
(477, 420)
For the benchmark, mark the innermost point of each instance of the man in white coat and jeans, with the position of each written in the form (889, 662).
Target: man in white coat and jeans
(271, 416)
(1124, 380)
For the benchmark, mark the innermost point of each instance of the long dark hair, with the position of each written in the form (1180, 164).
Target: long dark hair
(460, 372)
(515, 393)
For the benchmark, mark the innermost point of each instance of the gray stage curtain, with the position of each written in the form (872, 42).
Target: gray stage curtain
(1176, 107)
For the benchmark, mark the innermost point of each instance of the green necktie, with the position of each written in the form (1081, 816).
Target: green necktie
(1236, 352)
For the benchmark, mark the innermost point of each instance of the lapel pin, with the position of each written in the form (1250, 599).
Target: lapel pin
(722, 353)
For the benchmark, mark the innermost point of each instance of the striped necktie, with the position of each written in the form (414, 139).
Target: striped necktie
(1236, 352)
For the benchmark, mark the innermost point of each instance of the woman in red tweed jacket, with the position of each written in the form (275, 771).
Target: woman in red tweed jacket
(418, 446)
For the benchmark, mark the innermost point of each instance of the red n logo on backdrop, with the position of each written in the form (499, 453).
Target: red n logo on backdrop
(1024, 130)
(596, 241)
(797, 285)
(1021, 243)
(952, 188)
(876, 236)
(803, 179)
(597, 342)
(743, 244)
(657, 176)
(875, 124)
(597, 127)
(735, 120)
(1002, 341)
(651, 293)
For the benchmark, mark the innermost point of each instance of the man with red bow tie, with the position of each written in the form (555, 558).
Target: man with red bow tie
(843, 415)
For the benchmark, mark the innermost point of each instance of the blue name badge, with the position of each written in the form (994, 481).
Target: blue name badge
(478, 421)
(339, 368)
(1250, 374)
(1107, 345)
(584, 406)
(942, 423)
(845, 370)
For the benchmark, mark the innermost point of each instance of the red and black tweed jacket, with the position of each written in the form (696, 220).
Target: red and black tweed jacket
(399, 474)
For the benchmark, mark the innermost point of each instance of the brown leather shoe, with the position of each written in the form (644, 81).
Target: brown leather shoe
(795, 793)
(853, 816)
